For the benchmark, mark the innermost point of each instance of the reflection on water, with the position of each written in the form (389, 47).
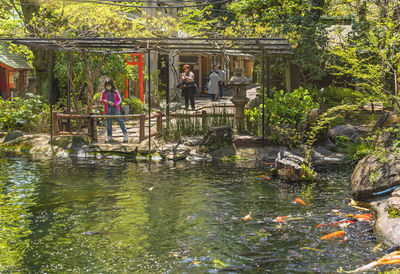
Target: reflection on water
(116, 216)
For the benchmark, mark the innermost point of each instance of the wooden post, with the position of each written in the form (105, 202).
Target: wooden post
(54, 123)
(159, 122)
(93, 122)
(204, 120)
(141, 127)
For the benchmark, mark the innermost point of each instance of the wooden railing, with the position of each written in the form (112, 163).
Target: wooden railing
(60, 119)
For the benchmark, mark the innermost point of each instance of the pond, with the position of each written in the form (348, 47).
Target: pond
(117, 216)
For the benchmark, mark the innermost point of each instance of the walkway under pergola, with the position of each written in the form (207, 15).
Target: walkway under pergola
(215, 45)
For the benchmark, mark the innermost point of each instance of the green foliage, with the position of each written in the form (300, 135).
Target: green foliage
(393, 213)
(184, 125)
(253, 120)
(21, 113)
(356, 151)
(135, 105)
(286, 116)
(290, 108)
(308, 173)
(299, 22)
(336, 96)
(370, 52)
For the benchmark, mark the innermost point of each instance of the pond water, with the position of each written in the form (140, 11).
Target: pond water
(116, 216)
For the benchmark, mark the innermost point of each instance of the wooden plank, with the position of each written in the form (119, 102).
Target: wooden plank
(54, 121)
(141, 128)
(72, 133)
(159, 121)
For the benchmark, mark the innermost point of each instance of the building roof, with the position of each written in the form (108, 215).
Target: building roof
(11, 59)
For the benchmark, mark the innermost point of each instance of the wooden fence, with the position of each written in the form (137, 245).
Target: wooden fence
(61, 120)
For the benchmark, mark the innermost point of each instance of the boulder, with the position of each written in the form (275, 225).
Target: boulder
(218, 142)
(373, 174)
(384, 225)
(322, 157)
(388, 137)
(12, 135)
(69, 141)
(396, 192)
(143, 147)
(174, 152)
(289, 166)
(354, 133)
(191, 141)
(394, 203)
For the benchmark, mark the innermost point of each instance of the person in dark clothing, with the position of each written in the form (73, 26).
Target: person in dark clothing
(188, 86)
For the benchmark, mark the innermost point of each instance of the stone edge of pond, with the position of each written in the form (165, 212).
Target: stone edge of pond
(188, 149)
(387, 227)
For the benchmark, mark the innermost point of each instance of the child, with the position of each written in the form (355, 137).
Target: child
(111, 100)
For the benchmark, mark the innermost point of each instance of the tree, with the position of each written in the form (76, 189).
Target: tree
(371, 52)
(298, 21)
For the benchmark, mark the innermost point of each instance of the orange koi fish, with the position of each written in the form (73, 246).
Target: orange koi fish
(247, 217)
(363, 217)
(269, 163)
(280, 219)
(336, 223)
(392, 258)
(300, 201)
(337, 234)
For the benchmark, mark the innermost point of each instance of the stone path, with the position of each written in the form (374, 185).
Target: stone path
(202, 103)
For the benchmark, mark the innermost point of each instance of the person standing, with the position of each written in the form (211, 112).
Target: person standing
(112, 100)
(213, 85)
(188, 86)
(221, 73)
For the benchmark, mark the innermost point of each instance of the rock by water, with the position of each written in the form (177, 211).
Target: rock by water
(373, 174)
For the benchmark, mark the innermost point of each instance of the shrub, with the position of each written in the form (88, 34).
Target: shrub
(290, 108)
(335, 96)
(20, 113)
(135, 105)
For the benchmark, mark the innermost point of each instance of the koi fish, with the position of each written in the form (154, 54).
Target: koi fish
(376, 248)
(364, 206)
(300, 201)
(338, 223)
(269, 163)
(392, 258)
(337, 234)
(313, 249)
(264, 178)
(247, 217)
(363, 217)
(280, 219)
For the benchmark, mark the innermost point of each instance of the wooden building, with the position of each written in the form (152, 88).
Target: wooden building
(14, 70)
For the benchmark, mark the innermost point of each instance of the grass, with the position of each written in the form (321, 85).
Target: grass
(197, 126)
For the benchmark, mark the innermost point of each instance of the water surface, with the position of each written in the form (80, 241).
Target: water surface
(116, 216)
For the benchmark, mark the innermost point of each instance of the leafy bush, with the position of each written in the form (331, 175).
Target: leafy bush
(135, 105)
(290, 108)
(286, 116)
(20, 113)
(335, 96)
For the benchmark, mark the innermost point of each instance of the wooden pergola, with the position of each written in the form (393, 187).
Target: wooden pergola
(214, 45)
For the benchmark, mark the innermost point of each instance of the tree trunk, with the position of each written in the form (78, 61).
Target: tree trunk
(42, 57)
(90, 78)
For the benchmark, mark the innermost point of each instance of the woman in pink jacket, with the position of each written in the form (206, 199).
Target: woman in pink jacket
(112, 100)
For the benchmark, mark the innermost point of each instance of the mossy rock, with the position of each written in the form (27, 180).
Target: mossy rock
(69, 141)
(11, 136)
